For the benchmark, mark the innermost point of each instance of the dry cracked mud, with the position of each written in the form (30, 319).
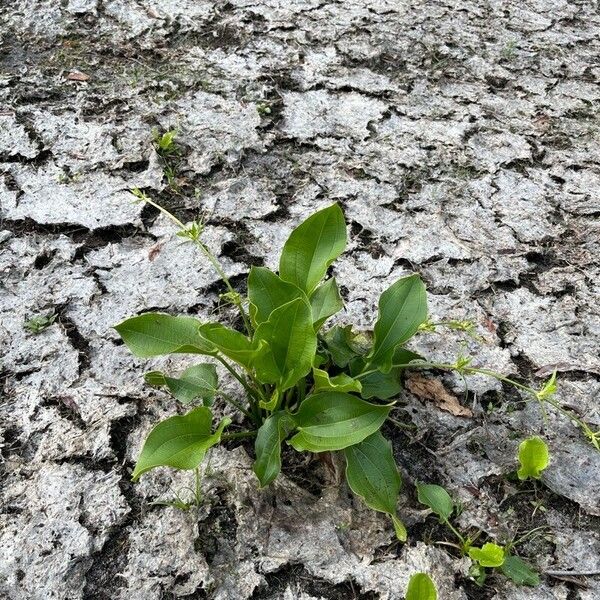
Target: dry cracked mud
(461, 139)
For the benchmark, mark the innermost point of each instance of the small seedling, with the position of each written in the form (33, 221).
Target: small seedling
(533, 457)
(164, 143)
(488, 556)
(194, 495)
(39, 323)
(263, 109)
(167, 149)
(421, 587)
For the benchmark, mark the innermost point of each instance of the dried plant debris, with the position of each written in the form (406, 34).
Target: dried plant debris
(428, 388)
(461, 144)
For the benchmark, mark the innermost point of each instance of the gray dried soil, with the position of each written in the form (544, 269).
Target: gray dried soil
(462, 140)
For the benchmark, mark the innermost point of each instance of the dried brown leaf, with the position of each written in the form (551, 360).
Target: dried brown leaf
(154, 251)
(433, 389)
(77, 76)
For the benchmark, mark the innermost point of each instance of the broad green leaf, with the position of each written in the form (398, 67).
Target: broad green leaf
(338, 383)
(199, 381)
(339, 343)
(231, 343)
(402, 308)
(335, 420)
(489, 555)
(325, 302)
(372, 474)
(179, 442)
(268, 446)
(154, 334)
(421, 587)
(519, 571)
(533, 456)
(291, 344)
(436, 498)
(266, 292)
(312, 247)
(381, 385)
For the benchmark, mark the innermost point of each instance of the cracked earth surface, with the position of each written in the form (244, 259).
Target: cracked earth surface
(461, 139)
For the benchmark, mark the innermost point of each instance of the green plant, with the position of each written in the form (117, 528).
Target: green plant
(39, 323)
(302, 386)
(164, 143)
(533, 457)
(169, 153)
(421, 587)
(490, 555)
(315, 389)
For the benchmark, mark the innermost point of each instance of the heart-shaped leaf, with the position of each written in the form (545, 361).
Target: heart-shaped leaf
(489, 555)
(372, 474)
(312, 247)
(154, 334)
(402, 308)
(534, 457)
(179, 442)
(335, 420)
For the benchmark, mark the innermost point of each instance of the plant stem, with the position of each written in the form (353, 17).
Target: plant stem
(413, 365)
(567, 413)
(456, 533)
(237, 376)
(235, 404)
(238, 435)
(212, 259)
(198, 495)
(594, 437)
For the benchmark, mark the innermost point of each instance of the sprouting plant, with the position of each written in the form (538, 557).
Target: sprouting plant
(533, 457)
(39, 323)
(466, 325)
(167, 149)
(164, 143)
(508, 52)
(421, 587)
(263, 109)
(194, 496)
(315, 389)
(489, 555)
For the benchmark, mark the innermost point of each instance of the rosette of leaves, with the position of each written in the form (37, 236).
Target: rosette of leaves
(315, 388)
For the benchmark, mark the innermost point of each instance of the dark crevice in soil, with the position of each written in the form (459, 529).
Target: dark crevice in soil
(218, 529)
(80, 343)
(102, 579)
(299, 579)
